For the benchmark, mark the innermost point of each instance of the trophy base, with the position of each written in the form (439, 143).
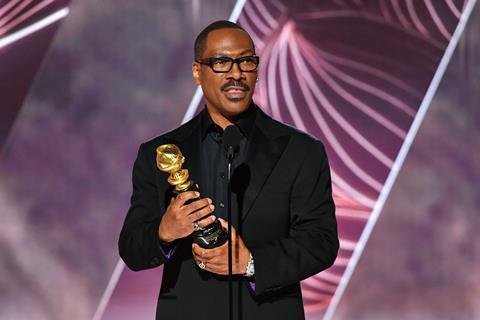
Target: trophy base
(214, 235)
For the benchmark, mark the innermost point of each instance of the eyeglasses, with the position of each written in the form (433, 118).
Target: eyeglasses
(225, 64)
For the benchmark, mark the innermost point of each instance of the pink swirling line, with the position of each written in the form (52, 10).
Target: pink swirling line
(302, 70)
(386, 123)
(25, 16)
(9, 16)
(9, 5)
(348, 13)
(416, 21)
(438, 22)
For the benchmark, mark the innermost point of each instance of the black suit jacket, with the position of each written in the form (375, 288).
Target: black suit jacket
(286, 218)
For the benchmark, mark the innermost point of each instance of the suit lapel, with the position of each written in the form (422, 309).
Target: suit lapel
(191, 152)
(262, 156)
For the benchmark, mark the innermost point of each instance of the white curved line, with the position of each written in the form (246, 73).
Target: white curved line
(349, 13)
(280, 6)
(54, 17)
(363, 86)
(385, 122)
(351, 191)
(256, 39)
(416, 21)
(403, 20)
(453, 8)
(348, 245)
(352, 214)
(344, 156)
(249, 11)
(436, 19)
(354, 133)
(329, 276)
(283, 66)
(371, 71)
(307, 83)
(272, 82)
(266, 14)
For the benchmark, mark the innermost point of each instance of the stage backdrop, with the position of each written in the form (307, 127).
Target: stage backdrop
(390, 86)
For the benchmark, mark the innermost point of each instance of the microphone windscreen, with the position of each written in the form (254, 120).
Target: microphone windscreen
(231, 138)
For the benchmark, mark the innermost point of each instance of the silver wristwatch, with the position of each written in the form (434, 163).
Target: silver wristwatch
(250, 269)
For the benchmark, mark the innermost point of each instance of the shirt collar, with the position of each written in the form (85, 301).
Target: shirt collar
(245, 122)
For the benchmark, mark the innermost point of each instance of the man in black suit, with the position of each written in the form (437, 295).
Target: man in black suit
(283, 215)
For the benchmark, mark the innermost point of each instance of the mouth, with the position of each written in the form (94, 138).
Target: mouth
(235, 92)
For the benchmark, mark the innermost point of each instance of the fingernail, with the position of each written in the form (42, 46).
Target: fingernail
(212, 207)
(197, 194)
(209, 200)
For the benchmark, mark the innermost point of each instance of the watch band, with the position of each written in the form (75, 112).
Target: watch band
(250, 269)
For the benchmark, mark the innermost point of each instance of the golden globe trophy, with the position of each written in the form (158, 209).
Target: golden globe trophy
(170, 159)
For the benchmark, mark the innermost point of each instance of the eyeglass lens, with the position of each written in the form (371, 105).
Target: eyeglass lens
(225, 64)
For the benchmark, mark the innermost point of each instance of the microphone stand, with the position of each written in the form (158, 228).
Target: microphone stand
(230, 155)
(231, 141)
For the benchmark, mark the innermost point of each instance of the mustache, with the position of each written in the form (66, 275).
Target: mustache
(235, 83)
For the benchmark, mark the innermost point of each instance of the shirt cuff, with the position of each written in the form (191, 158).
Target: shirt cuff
(167, 250)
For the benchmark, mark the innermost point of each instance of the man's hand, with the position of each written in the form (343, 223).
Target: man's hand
(216, 259)
(177, 222)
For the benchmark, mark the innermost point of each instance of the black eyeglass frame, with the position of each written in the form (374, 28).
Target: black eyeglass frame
(210, 62)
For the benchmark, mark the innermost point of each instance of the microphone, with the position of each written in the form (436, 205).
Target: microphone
(231, 140)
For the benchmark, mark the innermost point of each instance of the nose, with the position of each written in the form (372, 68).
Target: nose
(235, 72)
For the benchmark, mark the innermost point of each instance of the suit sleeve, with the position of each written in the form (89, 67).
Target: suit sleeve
(139, 244)
(312, 243)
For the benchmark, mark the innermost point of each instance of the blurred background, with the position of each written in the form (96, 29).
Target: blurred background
(391, 87)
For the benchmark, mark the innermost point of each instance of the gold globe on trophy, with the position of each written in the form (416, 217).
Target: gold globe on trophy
(170, 159)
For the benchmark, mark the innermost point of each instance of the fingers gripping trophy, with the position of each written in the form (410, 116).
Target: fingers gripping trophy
(170, 160)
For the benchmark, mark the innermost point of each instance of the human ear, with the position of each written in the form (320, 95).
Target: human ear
(196, 72)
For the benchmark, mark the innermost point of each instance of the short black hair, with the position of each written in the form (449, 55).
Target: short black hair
(201, 40)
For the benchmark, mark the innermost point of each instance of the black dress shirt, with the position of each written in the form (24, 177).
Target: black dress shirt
(214, 164)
